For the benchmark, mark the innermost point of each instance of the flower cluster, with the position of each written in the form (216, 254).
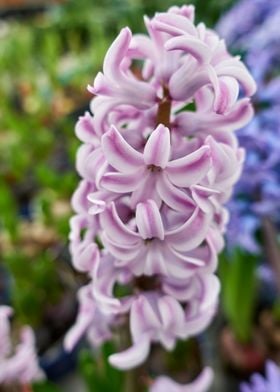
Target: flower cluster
(260, 384)
(257, 193)
(21, 365)
(158, 162)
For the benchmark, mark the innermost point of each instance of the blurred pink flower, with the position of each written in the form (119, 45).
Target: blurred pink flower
(20, 365)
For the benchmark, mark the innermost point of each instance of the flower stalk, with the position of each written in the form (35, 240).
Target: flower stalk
(164, 110)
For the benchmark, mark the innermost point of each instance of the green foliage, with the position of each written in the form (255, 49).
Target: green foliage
(35, 283)
(239, 288)
(97, 373)
(45, 386)
(8, 209)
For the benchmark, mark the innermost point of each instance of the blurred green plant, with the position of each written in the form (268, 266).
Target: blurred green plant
(97, 373)
(45, 387)
(239, 292)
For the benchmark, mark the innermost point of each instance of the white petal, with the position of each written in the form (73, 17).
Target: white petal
(133, 356)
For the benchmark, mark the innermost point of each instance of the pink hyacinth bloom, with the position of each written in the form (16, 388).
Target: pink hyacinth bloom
(201, 384)
(20, 365)
(159, 160)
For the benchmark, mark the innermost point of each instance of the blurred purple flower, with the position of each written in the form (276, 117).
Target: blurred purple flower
(269, 383)
(257, 36)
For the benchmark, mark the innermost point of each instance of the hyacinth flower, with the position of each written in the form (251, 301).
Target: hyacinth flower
(269, 383)
(256, 198)
(18, 365)
(159, 160)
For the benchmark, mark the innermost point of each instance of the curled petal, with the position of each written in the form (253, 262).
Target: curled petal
(115, 228)
(122, 182)
(190, 169)
(79, 199)
(119, 153)
(173, 196)
(226, 166)
(105, 275)
(202, 195)
(133, 356)
(201, 384)
(85, 130)
(238, 71)
(179, 289)
(194, 46)
(191, 233)
(148, 220)
(116, 53)
(240, 114)
(117, 82)
(172, 314)
(83, 153)
(199, 322)
(142, 318)
(174, 24)
(77, 331)
(210, 291)
(187, 258)
(87, 258)
(226, 94)
(157, 149)
(122, 252)
(183, 87)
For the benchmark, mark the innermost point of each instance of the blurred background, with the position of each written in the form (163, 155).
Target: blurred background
(49, 52)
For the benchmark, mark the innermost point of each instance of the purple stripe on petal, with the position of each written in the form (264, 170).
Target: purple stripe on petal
(119, 153)
(191, 233)
(115, 228)
(190, 169)
(157, 149)
(142, 318)
(194, 46)
(116, 53)
(174, 24)
(148, 220)
(121, 182)
(174, 197)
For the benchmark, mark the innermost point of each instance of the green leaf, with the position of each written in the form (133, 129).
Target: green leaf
(97, 373)
(239, 284)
